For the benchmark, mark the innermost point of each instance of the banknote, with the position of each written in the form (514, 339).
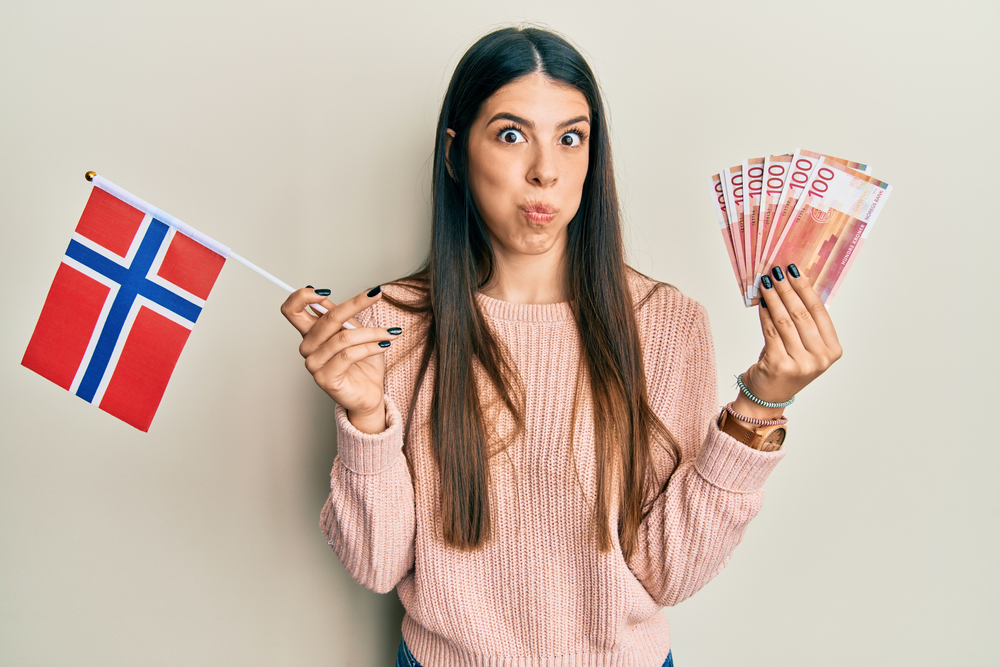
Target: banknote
(775, 170)
(732, 181)
(837, 209)
(803, 169)
(806, 208)
(753, 183)
(799, 171)
(803, 164)
(719, 204)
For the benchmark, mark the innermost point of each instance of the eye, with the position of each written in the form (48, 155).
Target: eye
(571, 139)
(511, 135)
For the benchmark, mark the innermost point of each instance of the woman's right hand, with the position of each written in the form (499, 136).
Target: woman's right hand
(348, 364)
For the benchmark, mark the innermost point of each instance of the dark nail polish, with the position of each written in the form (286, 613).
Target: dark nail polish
(384, 343)
(763, 304)
(766, 282)
(794, 270)
(375, 290)
(778, 273)
(395, 331)
(322, 292)
(310, 286)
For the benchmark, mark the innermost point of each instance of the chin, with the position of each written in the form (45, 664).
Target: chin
(536, 246)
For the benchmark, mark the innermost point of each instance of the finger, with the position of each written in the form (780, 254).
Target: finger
(803, 287)
(800, 315)
(329, 324)
(781, 319)
(773, 345)
(295, 306)
(334, 370)
(344, 339)
(348, 309)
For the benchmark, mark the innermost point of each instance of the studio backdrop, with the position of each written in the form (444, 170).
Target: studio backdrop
(300, 135)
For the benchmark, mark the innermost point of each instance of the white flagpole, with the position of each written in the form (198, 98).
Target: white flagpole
(187, 230)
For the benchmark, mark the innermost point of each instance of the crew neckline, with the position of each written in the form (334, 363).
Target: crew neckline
(525, 312)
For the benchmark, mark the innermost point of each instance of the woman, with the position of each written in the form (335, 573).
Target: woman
(529, 439)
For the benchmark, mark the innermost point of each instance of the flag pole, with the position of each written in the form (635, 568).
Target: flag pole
(170, 220)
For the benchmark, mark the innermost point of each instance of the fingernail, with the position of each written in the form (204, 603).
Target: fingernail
(778, 274)
(375, 291)
(310, 286)
(322, 292)
(763, 304)
(766, 282)
(395, 331)
(384, 343)
(794, 270)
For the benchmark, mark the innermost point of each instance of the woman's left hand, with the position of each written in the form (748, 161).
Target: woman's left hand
(800, 342)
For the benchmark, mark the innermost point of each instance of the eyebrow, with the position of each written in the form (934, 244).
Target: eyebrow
(503, 115)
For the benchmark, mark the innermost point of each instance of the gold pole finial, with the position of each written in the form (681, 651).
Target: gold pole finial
(90, 176)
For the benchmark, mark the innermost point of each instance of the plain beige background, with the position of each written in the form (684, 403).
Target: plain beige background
(300, 134)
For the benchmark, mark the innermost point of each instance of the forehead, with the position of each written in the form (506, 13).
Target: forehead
(537, 98)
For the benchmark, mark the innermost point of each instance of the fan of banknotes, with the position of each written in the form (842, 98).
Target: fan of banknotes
(805, 208)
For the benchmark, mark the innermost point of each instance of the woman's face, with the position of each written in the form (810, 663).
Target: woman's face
(528, 157)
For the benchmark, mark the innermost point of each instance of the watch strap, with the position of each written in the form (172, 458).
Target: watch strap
(764, 438)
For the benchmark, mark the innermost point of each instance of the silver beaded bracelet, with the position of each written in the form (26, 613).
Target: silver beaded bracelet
(758, 401)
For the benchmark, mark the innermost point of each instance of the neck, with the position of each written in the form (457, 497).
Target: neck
(529, 279)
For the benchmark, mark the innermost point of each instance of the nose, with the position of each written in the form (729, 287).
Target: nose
(543, 170)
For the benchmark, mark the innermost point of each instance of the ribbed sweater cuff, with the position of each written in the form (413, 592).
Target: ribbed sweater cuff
(370, 453)
(729, 464)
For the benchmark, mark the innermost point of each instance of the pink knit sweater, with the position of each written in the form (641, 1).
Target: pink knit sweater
(541, 592)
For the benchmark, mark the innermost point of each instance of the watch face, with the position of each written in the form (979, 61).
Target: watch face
(773, 440)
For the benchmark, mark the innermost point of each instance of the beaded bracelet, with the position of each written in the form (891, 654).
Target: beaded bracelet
(755, 422)
(758, 401)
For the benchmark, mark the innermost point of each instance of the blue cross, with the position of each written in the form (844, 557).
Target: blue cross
(133, 283)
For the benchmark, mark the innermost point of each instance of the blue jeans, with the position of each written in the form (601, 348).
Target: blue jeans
(405, 659)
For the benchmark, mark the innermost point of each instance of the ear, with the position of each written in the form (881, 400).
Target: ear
(447, 152)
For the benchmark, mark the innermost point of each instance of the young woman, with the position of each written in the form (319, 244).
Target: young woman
(530, 445)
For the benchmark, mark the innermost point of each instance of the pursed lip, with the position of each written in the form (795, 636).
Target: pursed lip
(539, 212)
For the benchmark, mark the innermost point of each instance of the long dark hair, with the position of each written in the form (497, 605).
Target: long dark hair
(461, 261)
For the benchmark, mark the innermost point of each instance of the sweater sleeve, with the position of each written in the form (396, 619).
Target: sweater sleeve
(369, 518)
(699, 518)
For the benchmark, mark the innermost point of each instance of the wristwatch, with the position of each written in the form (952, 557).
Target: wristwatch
(763, 438)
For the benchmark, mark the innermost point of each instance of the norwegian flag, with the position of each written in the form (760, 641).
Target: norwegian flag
(122, 305)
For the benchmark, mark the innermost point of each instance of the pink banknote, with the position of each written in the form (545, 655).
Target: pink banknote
(719, 204)
(753, 183)
(732, 182)
(836, 212)
(775, 171)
